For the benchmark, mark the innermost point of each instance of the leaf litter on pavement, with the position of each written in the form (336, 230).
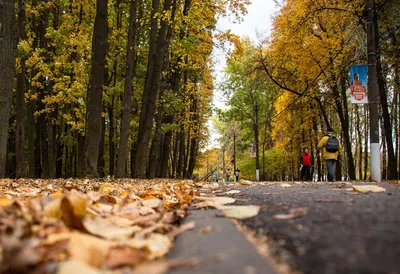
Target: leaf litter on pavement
(91, 226)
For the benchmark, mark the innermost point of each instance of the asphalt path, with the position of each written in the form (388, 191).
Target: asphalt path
(340, 231)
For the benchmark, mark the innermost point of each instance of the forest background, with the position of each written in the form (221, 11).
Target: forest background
(124, 88)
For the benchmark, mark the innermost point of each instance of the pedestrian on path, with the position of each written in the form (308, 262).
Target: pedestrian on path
(228, 175)
(306, 162)
(331, 150)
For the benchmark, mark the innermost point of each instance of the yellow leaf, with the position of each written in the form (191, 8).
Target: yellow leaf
(5, 201)
(240, 212)
(76, 266)
(368, 188)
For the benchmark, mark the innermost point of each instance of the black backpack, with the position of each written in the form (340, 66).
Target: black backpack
(332, 144)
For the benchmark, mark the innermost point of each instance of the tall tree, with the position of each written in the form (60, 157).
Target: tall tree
(153, 74)
(94, 104)
(128, 90)
(20, 97)
(8, 45)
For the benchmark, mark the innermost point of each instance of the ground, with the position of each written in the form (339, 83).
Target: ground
(343, 231)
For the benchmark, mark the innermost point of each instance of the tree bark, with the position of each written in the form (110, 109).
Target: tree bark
(8, 51)
(20, 98)
(95, 92)
(130, 71)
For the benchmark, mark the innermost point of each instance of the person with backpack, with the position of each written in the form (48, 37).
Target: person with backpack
(331, 150)
(306, 161)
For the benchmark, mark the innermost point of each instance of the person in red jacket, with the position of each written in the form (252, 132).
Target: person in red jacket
(306, 161)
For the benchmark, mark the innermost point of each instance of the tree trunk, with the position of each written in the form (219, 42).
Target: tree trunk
(95, 92)
(101, 166)
(8, 51)
(392, 161)
(360, 149)
(166, 149)
(344, 121)
(153, 74)
(111, 143)
(181, 158)
(20, 107)
(130, 70)
(366, 155)
(155, 148)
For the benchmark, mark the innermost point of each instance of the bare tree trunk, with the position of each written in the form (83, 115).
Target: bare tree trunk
(95, 92)
(8, 51)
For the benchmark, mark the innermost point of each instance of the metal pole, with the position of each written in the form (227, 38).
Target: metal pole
(256, 143)
(234, 156)
(373, 92)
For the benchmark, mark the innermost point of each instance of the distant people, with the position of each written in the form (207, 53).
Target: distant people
(306, 162)
(228, 175)
(331, 150)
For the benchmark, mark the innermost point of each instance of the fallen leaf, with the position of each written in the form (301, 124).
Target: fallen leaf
(86, 248)
(68, 216)
(245, 182)
(214, 201)
(394, 182)
(76, 266)
(181, 229)
(240, 212)
(285, 185)
(160, 267)
(157, 245)
(107, 199)
(5, 201)
(368, 188)
(124, 256)
(106, 229)
(232, 192)
(152, 203)
(206, 229)
(293, 213)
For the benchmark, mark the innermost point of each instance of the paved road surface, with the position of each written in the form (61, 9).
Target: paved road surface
(341, 233)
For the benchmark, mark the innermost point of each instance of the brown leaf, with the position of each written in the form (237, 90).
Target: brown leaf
(107, 199)
(19, 255)
(68, 216)
(181, 229)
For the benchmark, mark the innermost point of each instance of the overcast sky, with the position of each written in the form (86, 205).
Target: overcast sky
(257, 20)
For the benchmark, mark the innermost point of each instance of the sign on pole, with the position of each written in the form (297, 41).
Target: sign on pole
(358, 84)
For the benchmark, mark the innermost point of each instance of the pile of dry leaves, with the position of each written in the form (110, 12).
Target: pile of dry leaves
(72, 226)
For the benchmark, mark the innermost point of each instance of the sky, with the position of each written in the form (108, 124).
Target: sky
(257, 21)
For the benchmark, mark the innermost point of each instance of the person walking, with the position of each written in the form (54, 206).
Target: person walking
(306, 161)
(331, 150)
(228, 175)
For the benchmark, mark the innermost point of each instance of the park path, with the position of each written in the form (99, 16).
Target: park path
(319, 227)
